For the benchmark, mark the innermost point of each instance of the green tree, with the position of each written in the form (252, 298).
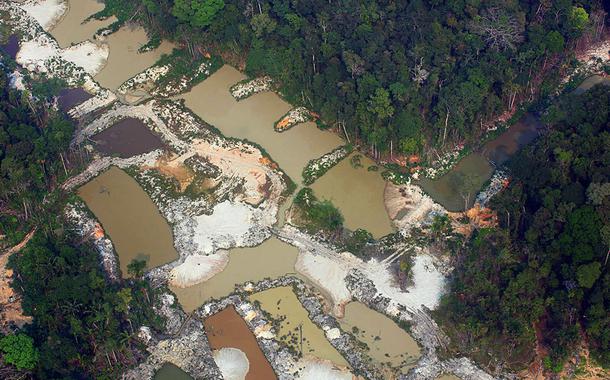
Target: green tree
(587, 274)
(197, 13)
(19, 351)
(136, 268)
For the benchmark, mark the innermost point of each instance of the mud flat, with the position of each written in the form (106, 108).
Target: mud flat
(227, 329)
(124, 60)
(283, 305)
(71, 97)
(358, 193)
(171, 372)
(387, 342)
(126, 138)
(130, 218)
(253, 119)
(271, 259)
(71, 29)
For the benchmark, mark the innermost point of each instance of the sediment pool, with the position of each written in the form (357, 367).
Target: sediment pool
(272, 259)
(358, 193)
(227, 329)
(387, 342)
(295, 324)
(71, 97)
(253, 119)
(71, 30)
(11, 47)
(128, 137)
(448, 377)
(590, 82)
(131, 219)
(171, 372)
(124, 61)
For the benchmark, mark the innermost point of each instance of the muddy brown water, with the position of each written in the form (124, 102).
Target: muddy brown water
(126, 138)
(227, 329)
(71, 97)
(11, 47)
(71, 29)
(283, 304)
(131, 219)
(457, 189)
(124, 60)
(271, 259)
(387, 342)
(448, 377)
(253, 119)
(358, 193)
(171, 372)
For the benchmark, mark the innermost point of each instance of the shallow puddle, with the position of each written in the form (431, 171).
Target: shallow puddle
(11, 47)
(296, 329)
(448, 377)
(227, 329)
(124, 61)
(131, 219)
(171, 372)
(71, 97)
(387, 342)
(126, 138)
(253, 119)
(358, 193)
(272, 259)
(71, 30)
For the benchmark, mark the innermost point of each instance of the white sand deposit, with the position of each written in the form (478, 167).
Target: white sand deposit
(228, 226)
(198, 268)
(46, 12)
(36, 55)
(232, 362)
(318, 370)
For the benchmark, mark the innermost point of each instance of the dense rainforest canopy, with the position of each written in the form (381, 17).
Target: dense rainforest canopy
(397, 74)
(83, 326)
(545, 268)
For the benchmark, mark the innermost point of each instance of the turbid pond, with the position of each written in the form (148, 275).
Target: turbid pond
(296, 329)
(590, 82)
(131, 219)
(71, 97)
(127, 137)
(124, 60)
(228, 329)
(11, 47)
(272, 259)
(387, 342)
(171, 372)
(457, 189)
(71, 29)
(253, 119)
(358, 193)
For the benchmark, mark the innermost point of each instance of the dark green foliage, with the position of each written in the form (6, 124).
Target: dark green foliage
(318, 215)
(78, 318)
(357, 240)
(33, 140)
(19, 350)
(416, 73)
(546, 264)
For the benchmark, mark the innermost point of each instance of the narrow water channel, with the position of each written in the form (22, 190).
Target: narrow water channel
(131, 219)
(358, 193)
(387, 342)
(71, 29)
(271, 259)
(296, 329)
(457, 189)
